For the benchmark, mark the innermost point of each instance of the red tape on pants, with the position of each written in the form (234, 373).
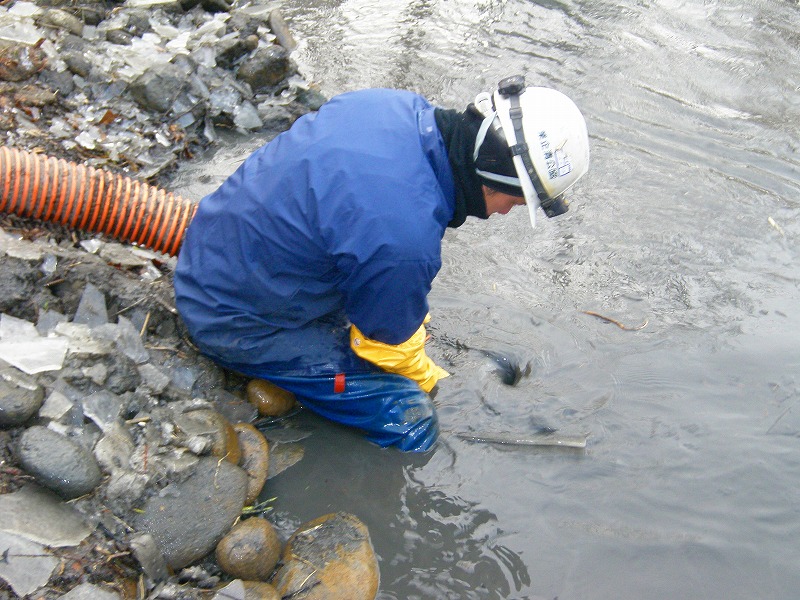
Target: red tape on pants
(338, 383)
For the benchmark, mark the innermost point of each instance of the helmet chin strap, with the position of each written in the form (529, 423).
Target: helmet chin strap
(520, 157)
(527, 188)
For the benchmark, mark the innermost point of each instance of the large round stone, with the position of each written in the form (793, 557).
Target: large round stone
(250, 550)
(255, 458)
(269, 399)
(329, 558)
(188, 519)
(57, 462)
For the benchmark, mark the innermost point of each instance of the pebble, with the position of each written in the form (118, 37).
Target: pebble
(187, 519)
(329, 558)
(158, 87)
(60, 19)
(250, 550)
(114, 450)
(255, 458)
(20, 397)
(58, 462)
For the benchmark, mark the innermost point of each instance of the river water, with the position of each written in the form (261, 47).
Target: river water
(687, 221)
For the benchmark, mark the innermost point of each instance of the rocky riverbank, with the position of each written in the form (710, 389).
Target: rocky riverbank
(130, 465)
(140, 85)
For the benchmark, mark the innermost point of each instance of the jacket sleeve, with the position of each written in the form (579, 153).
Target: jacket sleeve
(407, 359)
(387, 299)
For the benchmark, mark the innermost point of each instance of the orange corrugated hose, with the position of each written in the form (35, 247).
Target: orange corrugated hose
(92, 200)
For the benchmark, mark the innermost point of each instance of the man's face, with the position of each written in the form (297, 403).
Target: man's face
(500, 203)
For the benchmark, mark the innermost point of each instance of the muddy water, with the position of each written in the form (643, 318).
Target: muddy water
(687, 221)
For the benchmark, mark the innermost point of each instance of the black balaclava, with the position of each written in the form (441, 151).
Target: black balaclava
(459, 130)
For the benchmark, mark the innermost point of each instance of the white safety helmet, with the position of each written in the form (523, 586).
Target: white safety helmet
(547, 137)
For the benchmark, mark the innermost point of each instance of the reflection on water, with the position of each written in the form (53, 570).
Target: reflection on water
(688, 218)
(430, 544)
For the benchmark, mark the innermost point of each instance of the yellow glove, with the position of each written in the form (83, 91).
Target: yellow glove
(408, 359)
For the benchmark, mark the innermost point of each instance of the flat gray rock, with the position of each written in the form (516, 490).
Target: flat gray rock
(88, 591)
(26, 565)
(40, 516)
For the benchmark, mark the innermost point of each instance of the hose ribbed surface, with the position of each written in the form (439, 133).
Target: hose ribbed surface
(92, 200)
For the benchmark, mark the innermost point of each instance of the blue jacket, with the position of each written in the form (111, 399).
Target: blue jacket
(345, 211)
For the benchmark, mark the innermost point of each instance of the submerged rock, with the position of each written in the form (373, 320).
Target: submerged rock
(283, 456)
(329, 558)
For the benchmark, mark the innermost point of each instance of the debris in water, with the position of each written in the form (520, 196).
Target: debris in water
(518, 439)
(777, 227)
(615, 322)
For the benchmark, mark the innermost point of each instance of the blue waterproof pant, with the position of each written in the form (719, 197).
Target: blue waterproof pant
(328, 378)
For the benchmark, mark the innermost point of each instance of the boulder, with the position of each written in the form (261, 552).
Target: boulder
(188, 519)
(329, 558)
